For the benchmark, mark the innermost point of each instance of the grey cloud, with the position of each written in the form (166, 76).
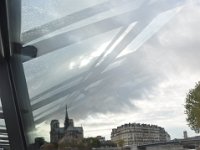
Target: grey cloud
(132, 80)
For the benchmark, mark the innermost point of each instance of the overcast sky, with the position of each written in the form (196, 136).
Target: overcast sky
(145, 81)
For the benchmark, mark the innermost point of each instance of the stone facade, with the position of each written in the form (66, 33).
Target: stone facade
(139, 134)
(68, 132)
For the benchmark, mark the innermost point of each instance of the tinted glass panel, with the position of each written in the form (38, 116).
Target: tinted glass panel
(111, 62)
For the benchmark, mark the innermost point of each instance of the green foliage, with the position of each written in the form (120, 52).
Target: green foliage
(84, 144)
(192, 107)
(73, 144)
(92, 142)
(120, 143)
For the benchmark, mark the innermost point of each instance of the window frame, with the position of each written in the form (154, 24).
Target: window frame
(16, 107)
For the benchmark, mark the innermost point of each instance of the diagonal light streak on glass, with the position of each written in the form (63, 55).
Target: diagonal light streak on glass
(96, 28)
(109, 50)
(87, 21)
(150, 30)
(73, 18)
(82, 33)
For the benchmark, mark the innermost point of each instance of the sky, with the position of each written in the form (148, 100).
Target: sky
(135, 68)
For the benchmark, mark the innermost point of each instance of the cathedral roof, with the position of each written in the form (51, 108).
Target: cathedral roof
(70, 128)
(60, 130)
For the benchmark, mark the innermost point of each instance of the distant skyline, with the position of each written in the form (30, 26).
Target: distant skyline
(147, 84)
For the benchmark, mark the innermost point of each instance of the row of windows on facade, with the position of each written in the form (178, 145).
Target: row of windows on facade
(138, 129)
(138, 125)
(137, 132)
(143, 134)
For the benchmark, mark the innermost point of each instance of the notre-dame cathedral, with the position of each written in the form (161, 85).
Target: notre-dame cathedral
(68, 132)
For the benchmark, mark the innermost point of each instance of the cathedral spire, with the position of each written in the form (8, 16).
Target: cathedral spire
(66, 114)
(66, 119)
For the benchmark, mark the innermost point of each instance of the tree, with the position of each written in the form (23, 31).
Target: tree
(120, 143)
(192, 107)
(92, 142)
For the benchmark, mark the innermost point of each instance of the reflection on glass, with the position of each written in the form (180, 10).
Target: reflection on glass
(111, 62)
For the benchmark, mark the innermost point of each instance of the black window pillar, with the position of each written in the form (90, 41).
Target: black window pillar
(16, 107)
